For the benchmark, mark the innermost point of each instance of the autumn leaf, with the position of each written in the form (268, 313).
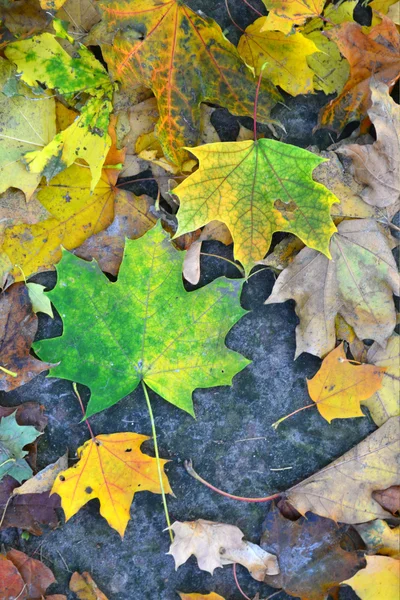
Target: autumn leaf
(283, 15)
(339, 386)
(315, 554)
(371, 55)
(379, 538)
(13, 438)
(85, 587)
(20, 109)
(17, 366)
(357, 284)
(256, 189)
(380, 580)
(285, 57)
(51, 4)
(133, 216)
(385, 403)
(172, 346)
(28, 413)
(194, 596)
(377, 166)
(40, 302)
(76, 214)
(342, 491)
(218, 544)
(43, 59)
(111, 468)
(152, 40)
(389, 499)
(191, 264)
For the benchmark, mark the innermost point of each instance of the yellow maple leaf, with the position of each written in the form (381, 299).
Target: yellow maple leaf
(380, 580)
(111, 468)
(284, 14)
(284, 56)
(194, 596)
(339, 386)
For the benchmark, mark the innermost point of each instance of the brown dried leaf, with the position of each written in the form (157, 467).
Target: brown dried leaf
(219, 544)
(343, 491)
(85, 587)
(377, 166)
(212, 231)
(312, 558)
(35, 574)
(18, 325)
(389, 499)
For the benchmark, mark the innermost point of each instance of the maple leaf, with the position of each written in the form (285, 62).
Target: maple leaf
(380, 580)
(379, 538)
(13, 438)
(76, 214)
(315, 554)
(371, 55)
(257, 189)
(19, 366)
(339, 386)
(27, 120)
(218, 544)
(43, 59)
(286, 57)
(342, 491)
(85, 587)
(194, 596)
(172, 346)
(385, 402)
(377, 165)
(283, 15)
(347, 285)
(111, 468)
(330, 68)
(153, 39)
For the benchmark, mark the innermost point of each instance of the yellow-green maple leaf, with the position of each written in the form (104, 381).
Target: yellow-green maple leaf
(257, 189)
(284, 57)
(284, 14)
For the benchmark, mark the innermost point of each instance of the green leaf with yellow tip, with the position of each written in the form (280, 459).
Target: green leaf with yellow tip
(144, 327)
(43, 59)
(257, 189)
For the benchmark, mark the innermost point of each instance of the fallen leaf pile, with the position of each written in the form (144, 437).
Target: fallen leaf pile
(94, 93)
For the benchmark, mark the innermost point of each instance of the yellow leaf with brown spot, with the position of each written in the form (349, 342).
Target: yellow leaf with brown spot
(284, 57)
(111, 468)
(380, 580)
(339, 386)
(185, 59)
(257, 189)
(285, 14)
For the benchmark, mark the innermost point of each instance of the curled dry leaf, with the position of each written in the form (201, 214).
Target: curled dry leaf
(191, 264)
(315, 554)
(377, 165)
(380, 580)
(345, 332)
(339, 386)
(389, 499)
(85, 587)
(43, 481)
(18, 326)
(218, 544)
(357, 284)
(374, 54)
(380, 538)
(342, 491)
(385, 403)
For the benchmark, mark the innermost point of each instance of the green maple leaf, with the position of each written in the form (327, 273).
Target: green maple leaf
(144, 327)
(257, 189)
(13, 438)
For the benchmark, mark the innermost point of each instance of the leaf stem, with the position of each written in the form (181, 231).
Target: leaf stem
(235, 577)
(189, 468)
(153, 429)
(253, 9)
(225, 259)
(11, 373)
(83, 410)
(256, 103)
(279, 421)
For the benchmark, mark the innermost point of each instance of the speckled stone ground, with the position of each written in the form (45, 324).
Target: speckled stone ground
(231, 441)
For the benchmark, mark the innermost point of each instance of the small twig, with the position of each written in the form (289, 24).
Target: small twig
(282, 469)
(153, 429)
(238, 584)
(189, 468)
